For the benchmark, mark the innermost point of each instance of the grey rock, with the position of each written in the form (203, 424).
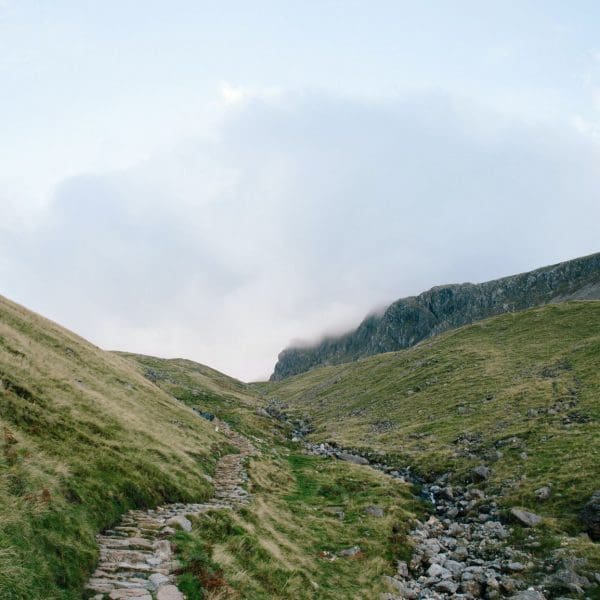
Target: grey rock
(402, 569)
(480, 473)
(567, 580)
(400, 587)
(454, 566)
(447, 586)
(353, 458)
(436, 571)
(590, 516)
(349, 552)
(526, 518)
(158, 579)
(375, 511)
(543, 493)
(471, 587)
(529, 594)
(169, 592)
(180, 521)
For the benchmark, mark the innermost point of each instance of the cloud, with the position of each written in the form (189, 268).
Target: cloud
(297, 214)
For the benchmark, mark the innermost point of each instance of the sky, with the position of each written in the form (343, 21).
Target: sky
(216, 180)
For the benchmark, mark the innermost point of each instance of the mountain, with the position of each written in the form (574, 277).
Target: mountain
(411, 320)
(516, 394)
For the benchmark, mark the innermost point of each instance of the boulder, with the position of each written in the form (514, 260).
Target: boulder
(353, 458)
(526, 518)
(590, 516)
(480, 473)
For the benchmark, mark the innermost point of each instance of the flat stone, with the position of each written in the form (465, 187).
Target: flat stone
(169, 592)
(526, 518)
(353, 458)
(139, 542)
(157, 580)
(119, 594)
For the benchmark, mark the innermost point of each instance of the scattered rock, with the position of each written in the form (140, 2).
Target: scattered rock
(526, 518)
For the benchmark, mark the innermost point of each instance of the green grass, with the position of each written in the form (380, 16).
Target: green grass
(203, 388)
(506, 385)
(83, 438)
(305, 510)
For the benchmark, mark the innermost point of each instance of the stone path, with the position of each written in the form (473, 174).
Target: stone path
(136, 557)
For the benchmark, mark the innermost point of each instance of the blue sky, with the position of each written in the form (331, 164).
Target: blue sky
(215, 179)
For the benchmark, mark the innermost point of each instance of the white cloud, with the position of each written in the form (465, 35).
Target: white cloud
(296, 215)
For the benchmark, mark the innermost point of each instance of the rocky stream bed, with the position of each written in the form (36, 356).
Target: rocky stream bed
(463, 549)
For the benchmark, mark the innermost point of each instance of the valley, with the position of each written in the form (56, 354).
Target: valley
(460, 467)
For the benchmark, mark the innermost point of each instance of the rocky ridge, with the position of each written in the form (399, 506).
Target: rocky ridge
(136, 557)
(411, 320)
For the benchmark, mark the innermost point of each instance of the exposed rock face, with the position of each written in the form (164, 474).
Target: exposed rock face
(410, 320)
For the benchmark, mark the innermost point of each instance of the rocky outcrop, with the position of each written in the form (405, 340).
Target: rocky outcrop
(410, 320)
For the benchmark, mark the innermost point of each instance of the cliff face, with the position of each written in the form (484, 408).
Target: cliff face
(410, 320)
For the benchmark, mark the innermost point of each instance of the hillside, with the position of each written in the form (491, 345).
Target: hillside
(84, 438)
(410, 320)
(517, 393)
(305, 512)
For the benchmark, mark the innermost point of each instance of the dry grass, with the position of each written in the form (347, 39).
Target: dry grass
(85, 436)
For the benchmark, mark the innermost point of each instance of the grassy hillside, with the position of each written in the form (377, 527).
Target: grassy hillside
(289, 542)
(203, 389)
(305, 510)
(83, 437)
(519, 392)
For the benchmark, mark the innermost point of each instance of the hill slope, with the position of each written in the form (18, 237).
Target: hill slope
(84, 437)
(410, 320)
(518, 393)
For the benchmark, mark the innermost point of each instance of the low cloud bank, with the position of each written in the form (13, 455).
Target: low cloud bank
(295, 217)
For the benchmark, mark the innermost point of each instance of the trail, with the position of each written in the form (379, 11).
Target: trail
(136, 557)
